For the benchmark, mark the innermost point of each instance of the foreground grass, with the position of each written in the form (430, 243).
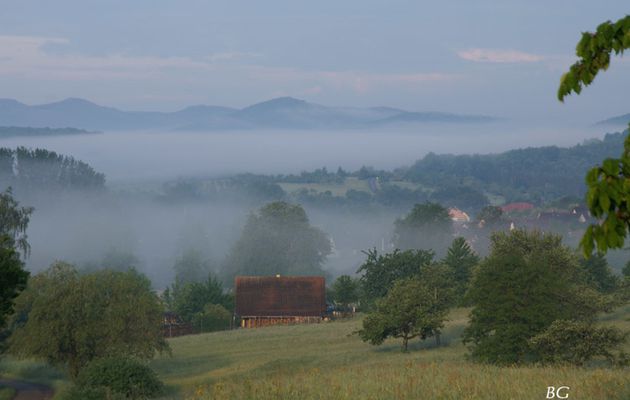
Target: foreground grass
(325, 361)
(6, 393)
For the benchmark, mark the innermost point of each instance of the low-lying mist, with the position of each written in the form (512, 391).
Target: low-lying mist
(138, 157)
(129, 219)
(86, 229)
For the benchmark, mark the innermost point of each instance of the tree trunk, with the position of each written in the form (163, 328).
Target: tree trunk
(438, 339)
(404, 346)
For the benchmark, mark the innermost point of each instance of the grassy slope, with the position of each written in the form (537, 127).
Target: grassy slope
(326, 362)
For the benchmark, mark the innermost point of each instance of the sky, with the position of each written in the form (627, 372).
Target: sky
(502, 57)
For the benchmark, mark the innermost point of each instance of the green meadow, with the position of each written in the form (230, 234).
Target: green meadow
(327, 361)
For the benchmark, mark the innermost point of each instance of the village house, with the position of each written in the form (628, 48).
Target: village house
(279, 300)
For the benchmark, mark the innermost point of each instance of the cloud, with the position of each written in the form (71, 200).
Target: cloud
(498, 56)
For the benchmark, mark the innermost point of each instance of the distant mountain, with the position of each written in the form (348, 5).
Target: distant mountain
(620, 121)
(281, 113)
(13, 131)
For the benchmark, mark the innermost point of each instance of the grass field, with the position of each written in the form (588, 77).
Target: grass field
(325, 361)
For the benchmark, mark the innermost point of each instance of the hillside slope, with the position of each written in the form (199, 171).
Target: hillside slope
(326, 361)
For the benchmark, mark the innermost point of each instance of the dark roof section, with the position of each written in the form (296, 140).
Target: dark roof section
(265, 296)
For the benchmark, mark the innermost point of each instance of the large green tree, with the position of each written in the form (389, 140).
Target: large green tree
(278, 239)
(608, 195)
(427, 226)
(413, 307)
(528, 281)
(69, 319)
(380, 271)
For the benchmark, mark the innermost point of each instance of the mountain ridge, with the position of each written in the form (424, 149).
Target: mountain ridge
(278, 113)
(620, 120)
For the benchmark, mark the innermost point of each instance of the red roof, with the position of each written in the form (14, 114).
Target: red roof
(517, 207)
(302, 296)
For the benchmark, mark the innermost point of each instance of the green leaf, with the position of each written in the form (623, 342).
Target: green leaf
(604, 201)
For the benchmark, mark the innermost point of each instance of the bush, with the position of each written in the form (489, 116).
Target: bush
(75, 392)
(122, 377)
(214, 317)
(578, 342)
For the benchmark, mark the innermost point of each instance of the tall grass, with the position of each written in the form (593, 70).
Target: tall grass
(416, 379)
(326, 361)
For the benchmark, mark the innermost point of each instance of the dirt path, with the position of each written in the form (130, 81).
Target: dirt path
(28, 390)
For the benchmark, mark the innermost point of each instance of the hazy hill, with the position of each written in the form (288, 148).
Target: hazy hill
(13, 131)
(620, 121)
(536, 174)
(283, 113)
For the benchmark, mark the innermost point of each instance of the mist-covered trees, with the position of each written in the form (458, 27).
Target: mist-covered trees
(528, 281)
(69, 319)
(427, 226)
(490, 217)
(191, 267)
(278, 239)
(28, 169)
(460, 196)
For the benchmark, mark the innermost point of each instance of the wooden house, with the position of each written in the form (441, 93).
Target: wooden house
(264, 300)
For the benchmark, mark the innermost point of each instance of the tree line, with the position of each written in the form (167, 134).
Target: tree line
(39, 169)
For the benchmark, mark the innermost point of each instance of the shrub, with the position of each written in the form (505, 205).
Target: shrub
(75, 392)
(123, 377)
(214, 317)
(578, 342)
